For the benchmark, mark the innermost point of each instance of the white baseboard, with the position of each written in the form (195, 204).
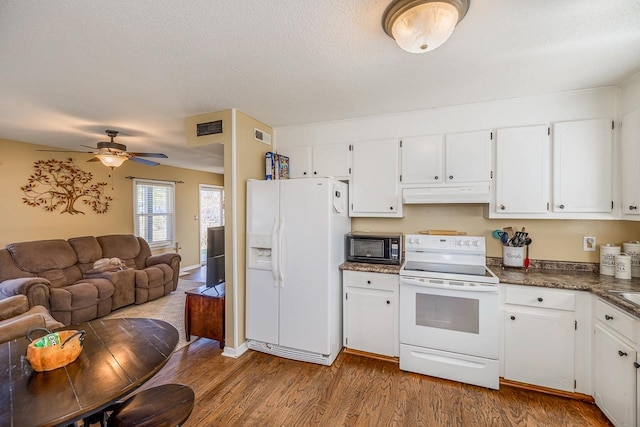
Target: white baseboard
(185, 270)
(235, 352)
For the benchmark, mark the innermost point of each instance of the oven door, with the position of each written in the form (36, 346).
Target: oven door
(458, 317)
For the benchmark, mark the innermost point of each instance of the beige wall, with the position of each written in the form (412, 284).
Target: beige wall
(552, 239)
(249, 163)
(19, 222)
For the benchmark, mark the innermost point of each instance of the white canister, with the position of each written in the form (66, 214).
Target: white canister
(608, 255)
(513, 256)
(633, 250)
(623, 266)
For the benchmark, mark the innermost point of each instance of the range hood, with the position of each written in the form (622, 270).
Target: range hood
(475, 193)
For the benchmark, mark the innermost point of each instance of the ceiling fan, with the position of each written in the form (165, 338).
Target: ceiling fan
(113, 154)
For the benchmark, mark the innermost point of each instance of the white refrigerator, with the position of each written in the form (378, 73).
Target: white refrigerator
(295, 244)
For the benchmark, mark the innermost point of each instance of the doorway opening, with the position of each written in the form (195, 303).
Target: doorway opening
(211, 214)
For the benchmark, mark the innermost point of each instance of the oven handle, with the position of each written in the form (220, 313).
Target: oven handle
(424, 284)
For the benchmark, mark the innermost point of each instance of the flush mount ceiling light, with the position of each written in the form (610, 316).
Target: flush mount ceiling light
(420, 26)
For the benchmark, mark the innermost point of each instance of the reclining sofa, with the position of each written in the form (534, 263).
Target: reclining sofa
(60, 275)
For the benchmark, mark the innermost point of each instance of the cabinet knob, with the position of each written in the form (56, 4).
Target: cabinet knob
(539, 299)
(368, 282)
(621, 353)
(450, 176)
(304, 173)
(435, 177)
(315, 173)
(561, 206)
(502, 207)
(607, 317)
(388, 302)
(633, 208)
(513, 317)
(636, 365)
(391, 207)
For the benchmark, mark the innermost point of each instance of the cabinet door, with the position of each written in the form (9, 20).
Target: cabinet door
(523, 170)
(299, 161)
(630, 163)
(422, 160)
(374, 185)
(582, 154)
(468, 156)
(369, 321)
(330, 160)
(539, 349)
(614, 378)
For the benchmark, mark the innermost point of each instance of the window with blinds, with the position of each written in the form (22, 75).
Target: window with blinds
(154, 211)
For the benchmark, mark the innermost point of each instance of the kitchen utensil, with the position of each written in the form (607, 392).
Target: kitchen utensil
(497, 234)
(504, 238)
(527, 242)
(509, 231)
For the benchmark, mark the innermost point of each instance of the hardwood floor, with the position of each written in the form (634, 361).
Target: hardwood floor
(197, 274)
(262, 390)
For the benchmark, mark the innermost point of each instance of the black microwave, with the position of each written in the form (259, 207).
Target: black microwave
(374, 247)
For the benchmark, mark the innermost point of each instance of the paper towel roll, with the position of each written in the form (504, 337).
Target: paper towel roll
(608, 253)
(623, 266)
(633, 250)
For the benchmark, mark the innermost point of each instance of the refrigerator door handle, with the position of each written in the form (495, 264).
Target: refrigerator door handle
(281, 253)
(274, 252)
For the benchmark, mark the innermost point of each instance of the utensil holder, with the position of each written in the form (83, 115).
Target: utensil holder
(513, 256)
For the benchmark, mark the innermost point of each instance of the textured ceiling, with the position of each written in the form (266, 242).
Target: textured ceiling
(71, 69)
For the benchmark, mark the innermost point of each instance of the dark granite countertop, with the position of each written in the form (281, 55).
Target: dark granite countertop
(573, 276)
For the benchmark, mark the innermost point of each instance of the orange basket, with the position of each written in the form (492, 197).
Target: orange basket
(66, 348)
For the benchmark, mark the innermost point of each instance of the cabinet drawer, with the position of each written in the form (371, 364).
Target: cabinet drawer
(541, 297)
(383, 282)
(620, 322)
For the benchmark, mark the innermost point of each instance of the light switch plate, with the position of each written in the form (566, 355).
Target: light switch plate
(589, 244)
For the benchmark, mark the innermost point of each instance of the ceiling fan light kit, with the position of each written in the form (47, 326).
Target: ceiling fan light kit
(420, 26)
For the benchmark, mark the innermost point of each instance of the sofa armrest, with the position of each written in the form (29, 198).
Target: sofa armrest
(35, 288)
(18, 327)
(171, 259)
(13, 306)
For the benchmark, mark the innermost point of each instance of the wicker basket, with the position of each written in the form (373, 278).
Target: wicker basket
(54, 356)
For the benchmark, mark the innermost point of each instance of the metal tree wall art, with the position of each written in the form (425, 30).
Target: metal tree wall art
(60, 184)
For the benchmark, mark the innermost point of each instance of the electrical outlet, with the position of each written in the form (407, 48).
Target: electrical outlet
(589, 244)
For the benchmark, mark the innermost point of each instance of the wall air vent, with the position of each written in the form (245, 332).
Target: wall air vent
(262, 136)
(209, 128)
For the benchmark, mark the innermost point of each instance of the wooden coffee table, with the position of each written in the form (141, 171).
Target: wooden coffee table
(204, 313)
(119, 355)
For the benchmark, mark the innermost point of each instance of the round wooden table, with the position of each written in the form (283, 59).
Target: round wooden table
(119, 356)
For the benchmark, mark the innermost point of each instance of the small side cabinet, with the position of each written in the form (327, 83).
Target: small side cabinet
(370, 312)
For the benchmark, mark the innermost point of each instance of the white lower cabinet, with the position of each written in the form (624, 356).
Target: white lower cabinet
(546, 337)
(370, 312)
(614, 364)
(540, 349)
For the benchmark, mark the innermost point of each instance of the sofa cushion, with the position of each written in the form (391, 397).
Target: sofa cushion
(88, 251)
(43, 255)
(123, 246)
(8, 268)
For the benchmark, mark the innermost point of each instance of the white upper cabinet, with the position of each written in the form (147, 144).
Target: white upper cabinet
(330, 160)
(299, 161)
(630, 163)
(318, 161)
(468, 156)
(582, 155)
(374, 187)
(423, 160)
(523, 170)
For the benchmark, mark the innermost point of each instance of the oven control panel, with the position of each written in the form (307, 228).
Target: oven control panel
(421, 242)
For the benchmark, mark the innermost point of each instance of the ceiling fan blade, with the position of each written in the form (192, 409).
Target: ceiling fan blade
(66, 151)
(88, 146)
(143, 161)
(93, 159)
(158, 155)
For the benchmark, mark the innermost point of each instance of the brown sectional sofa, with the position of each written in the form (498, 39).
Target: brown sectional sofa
(60, 275)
